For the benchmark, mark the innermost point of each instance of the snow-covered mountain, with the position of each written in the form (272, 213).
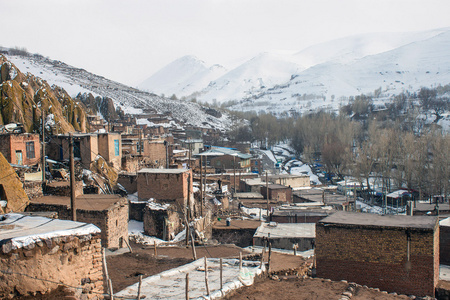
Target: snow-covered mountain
(321, 75)
(182, 77)
(131, 100)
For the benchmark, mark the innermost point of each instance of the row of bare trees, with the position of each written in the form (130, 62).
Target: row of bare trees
(365, 150)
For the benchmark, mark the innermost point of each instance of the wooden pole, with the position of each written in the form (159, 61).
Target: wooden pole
(128, 245)
(267, 195)
(206, 277)
(187, 286)
(201, 185)
(262, 259)
(105, 267)
(139, 288)
(270, 254)
(221, 273)
(240, 260)
(154, 247)
(72, 179)
(194, 254)
(43, 147)
(111, 292)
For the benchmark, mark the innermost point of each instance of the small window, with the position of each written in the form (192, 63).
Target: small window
(30, 149)
(116, 147)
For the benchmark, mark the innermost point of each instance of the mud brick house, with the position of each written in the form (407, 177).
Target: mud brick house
(110, 147)
(293, 181)
(251, 185)
(165, 185)
(277, 192)
(391, 252)
(284, 236)
(21, 148)
(85, 147)
(107, 212)
(55, 251)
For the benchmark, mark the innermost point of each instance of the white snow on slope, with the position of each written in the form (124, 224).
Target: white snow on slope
(131, 100)
(182, 77)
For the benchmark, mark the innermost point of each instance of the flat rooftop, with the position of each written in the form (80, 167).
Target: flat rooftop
(374, 220)
(162, 171)
(287, 230)
(250, 195)
(23, 230)
(84, 202)
(287, 176)
(237, 224)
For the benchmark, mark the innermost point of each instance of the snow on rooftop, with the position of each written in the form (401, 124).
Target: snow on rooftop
(22, 231)
(171, 284)
(286, 230)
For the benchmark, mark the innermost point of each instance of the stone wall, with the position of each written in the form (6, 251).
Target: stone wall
(74, 261)
(378, 257)
(239, 237)
(164, 224)
(33, 189)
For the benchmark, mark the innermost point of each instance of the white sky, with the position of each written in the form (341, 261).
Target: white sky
(129, 40)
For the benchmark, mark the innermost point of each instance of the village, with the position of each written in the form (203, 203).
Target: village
(150, 211)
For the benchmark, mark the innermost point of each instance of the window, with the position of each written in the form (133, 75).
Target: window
(116, 147)
(30, 149)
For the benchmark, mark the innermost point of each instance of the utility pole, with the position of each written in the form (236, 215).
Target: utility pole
(189, 145)
(201, 185)
(43, 148)
(72, 179)
(234, 173)
(267, 194)
(166, 143)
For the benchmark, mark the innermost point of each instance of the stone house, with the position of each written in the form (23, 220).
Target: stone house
(55, 251)
(391, 252)
(162, 220)
(21, 148)
(107, 212)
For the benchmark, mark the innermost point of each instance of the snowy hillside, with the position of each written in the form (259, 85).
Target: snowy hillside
(322, 75)
(131, 100)
(262, 71)
(409, 67)
(182, 77)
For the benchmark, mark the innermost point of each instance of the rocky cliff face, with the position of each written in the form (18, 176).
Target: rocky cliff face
(102, 105)
(23, 98)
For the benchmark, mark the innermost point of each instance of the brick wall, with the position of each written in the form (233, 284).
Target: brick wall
(165, 186)
(129, 182)
(75, 261)
(155, 151)
(278, 194)
(377, 257)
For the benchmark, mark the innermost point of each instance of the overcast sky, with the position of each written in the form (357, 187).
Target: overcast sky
(129, 40)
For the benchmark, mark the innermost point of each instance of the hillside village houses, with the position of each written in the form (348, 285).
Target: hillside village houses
(170, 181)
